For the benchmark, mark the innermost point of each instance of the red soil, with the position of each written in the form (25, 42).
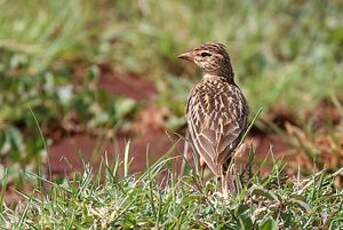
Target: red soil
(68, 155)
(128, 86)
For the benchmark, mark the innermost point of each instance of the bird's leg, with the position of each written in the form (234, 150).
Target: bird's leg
(202, 168)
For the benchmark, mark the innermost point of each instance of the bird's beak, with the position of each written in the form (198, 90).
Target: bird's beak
(188, 56)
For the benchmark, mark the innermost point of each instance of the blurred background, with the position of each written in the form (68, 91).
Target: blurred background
(78, 79)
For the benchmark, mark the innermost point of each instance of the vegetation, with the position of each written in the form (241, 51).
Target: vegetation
(287, 55)
(88, 202)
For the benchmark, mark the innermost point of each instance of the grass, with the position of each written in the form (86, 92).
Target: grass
(102, 200)
(287, 56)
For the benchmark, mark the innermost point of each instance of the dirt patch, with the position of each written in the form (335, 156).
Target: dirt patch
(128, 86)
(68, 155)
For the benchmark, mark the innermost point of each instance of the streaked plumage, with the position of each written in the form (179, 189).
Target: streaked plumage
(216, 111)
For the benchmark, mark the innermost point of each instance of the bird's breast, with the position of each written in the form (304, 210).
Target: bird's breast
(213, 100)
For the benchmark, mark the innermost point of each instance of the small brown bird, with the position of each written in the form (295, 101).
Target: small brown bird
(217, 111)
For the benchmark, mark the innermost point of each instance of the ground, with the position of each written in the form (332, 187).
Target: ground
(79, 79)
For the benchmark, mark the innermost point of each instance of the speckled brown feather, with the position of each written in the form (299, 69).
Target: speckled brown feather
(217, 113)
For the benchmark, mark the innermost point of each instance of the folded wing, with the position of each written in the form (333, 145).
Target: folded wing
(217, 117)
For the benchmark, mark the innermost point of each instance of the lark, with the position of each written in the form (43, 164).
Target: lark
(217, 111)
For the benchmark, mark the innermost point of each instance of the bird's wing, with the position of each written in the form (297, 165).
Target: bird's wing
(216, 118)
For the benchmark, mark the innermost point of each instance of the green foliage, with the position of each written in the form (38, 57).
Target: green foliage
(186, 203)
(285, 53)
(39, 53)
(52, 99)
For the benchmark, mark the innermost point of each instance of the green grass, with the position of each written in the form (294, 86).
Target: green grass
(104, 201)
(286, 54)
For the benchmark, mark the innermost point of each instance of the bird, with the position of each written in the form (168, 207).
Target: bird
(216, 111)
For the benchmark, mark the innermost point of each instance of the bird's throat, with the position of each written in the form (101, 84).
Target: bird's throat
(208, 76)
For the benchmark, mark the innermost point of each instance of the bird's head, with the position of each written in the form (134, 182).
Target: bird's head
(212, 59)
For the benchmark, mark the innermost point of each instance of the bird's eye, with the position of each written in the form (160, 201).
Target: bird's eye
(205, 54)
